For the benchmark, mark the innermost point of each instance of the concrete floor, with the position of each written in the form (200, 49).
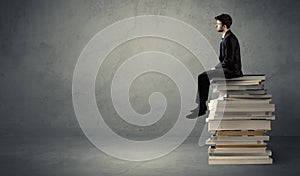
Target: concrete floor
(77, 156)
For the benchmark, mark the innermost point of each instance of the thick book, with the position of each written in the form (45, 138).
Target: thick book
(241, 146)
(240, 138)
(211, 118)
(242, 92)
(242, 78)
(214, 142)
(239, 125)
(253, 114)
(243, 108)
(216, 88)
(245, 96)
(235, 83)
(243, 160)
(245, 102)
(213, 150)
(240, 133)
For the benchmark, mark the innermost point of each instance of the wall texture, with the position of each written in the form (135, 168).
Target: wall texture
(42, 40)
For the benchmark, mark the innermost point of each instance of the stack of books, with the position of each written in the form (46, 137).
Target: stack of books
(239, 116)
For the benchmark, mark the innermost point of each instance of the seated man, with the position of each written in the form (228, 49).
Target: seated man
(229, 66)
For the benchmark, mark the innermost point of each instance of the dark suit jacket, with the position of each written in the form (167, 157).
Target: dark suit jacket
(230, 57)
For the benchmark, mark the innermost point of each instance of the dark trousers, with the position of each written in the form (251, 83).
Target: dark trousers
(204, 83)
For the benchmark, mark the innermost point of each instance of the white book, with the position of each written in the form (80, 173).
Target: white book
(239, 157)
(236, 83)
(214, 161)
(211, 118)
(215, 142)
(243, 99)
(242, 102)
(239, 125)
(266, 153)
(253, 114)
(217, 88)
(242, 92)
(240, 138)
(242, 78)
(222, 114)
(213, 150)
(248, 96)
(241, 105)
(270, 108)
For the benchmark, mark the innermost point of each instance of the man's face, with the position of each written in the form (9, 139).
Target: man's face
(219, 26)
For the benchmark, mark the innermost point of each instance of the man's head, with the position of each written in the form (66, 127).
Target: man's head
(223, 23)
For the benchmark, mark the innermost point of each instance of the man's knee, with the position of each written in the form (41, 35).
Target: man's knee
(202, 76)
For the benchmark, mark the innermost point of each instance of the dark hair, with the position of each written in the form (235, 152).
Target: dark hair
(225, 19)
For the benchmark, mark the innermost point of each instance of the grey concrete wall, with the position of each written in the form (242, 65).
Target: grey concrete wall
(42, 40)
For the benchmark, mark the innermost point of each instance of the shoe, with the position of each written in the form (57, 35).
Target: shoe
(199, 111)
(194, 113)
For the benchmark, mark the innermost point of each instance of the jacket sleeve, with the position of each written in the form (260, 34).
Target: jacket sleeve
(229, 50)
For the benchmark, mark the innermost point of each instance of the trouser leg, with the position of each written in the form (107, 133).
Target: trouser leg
(203, 87)
(204, 83)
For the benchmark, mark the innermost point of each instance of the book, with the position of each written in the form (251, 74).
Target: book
(239, 125)
(243, 78)
(240, 138)
(237, 87)
(244, 160)
(214, 150)
(240, 133)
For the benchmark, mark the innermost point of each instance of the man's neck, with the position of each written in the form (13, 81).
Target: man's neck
(224, 32)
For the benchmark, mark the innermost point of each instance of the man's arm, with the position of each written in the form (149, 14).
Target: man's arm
(229, 54)
(229, 50)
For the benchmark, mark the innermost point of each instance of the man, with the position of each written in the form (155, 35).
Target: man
(230, 63)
